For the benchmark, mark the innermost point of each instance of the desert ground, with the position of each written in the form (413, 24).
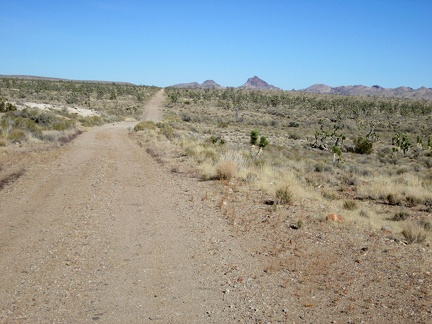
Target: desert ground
(119, 226)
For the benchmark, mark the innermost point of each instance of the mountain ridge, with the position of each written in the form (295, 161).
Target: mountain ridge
(375, 90)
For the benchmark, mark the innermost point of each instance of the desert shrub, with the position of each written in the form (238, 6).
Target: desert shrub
(186, 118)
(401, 171)
(401, 142)
(259, 163)
(412, 201)
(62, 125)
(350, 180)
(426, 224)
(428, 205)
(393, 199)
(414, 233)
(337, 150)
(144, 125)
(284, 196)
(363, 213)
(294, 136)
(329, 195)
(17, 135)
(322, 167)
(14, 120)
(90, 121)
(226, 170)
(400, 216)
(216, 139)
(363, 146)
(209, 154)
(190, 151)
(263, 142)
(350, 205)
(166, 130)
(427, 162)
(6, 106)
(223, 124)
(254, 136)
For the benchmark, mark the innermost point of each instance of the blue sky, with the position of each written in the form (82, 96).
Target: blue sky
(290, 44)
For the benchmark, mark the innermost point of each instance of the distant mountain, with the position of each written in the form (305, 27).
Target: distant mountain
(375, 90)
(208, 84)
(189, 85)
(319, 88)
(256, 83)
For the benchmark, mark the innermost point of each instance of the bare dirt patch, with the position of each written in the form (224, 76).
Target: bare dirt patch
(153, 109)
(53, 107)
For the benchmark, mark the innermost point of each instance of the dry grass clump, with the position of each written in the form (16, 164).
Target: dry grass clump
(284, 196)
(350, 205)
(226, 170)
(414, 233)
(406, 190)
(144, 125)
(400, 216)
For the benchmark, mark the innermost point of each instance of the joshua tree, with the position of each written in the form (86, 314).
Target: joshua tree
(263, 141)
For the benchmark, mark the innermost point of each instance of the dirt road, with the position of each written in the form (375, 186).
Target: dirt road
(152, 110)
(103, 233)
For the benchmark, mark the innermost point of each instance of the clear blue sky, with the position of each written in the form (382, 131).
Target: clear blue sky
(290, 44)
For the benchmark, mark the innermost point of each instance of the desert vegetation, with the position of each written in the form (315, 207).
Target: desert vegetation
(62, 102)
(336, 203)
(364, 158)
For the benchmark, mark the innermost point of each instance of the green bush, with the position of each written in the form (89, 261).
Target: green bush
(263, 142)
(13, 120)
(401, 142)
(363, 146)
(6, 106)
(254, 136)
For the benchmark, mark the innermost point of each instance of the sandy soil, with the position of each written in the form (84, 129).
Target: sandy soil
(47, 107)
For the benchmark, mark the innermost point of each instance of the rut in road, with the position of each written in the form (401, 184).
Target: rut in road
(103, 233)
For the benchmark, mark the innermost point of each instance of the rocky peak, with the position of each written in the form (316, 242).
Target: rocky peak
(256, 83)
